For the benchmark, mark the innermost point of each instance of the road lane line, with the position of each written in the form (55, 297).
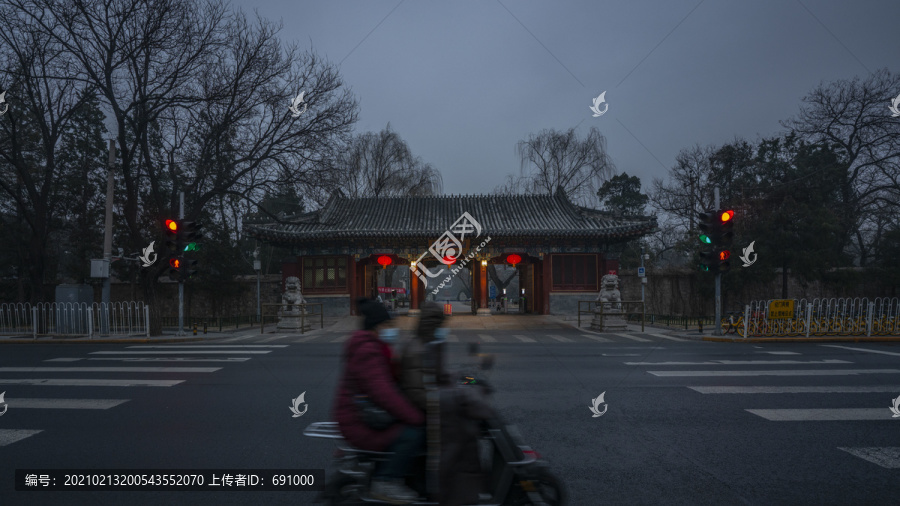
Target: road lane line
(15, 403)
(9, 436)
(525, 339)
(808, 372)
(744, 362)
(172, 359)
(634, 338)
(779, 352)
(820, 415)
(184, 352)
(72, 382)
(662, 336)
(561, 338)
(241, 337)
(887, 457)
(274, 338)
(863, 349)
(109, 369)
(798, 390)
(210, 346)
(305, 339)
(596, 338)
(487, 338)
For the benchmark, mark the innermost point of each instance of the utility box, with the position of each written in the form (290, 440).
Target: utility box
(99, 268)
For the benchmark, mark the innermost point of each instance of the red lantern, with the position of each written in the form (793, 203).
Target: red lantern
(513, 259)
(385, 260)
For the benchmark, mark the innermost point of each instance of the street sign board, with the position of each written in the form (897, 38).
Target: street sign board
(641, 272)
(493, 290)
(781, 309)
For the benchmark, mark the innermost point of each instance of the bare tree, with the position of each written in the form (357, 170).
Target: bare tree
(42, 102)
(554, 160)
(853, 115)
(382, 165)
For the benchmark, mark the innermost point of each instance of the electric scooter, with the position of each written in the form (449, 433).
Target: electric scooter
(516, 473)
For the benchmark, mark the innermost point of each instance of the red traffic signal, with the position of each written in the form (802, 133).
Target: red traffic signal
(171, 226)
(726, 216)
(724, 255)
(175, 263)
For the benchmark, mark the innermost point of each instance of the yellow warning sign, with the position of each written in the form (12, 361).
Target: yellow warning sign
(781, 309)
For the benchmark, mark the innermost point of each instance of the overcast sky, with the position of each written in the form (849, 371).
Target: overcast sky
(463, 81)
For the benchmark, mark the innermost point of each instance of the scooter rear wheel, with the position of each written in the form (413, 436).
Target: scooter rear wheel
(550, 488)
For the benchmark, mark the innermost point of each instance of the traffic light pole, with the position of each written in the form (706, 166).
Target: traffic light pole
(181, 281)
(717, 325)
(107, 237)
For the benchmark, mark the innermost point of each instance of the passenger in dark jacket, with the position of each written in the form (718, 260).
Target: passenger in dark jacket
(461, 411)
(368, 371)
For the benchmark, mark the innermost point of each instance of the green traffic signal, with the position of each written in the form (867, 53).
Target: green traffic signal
(192, 247)
(705, 239)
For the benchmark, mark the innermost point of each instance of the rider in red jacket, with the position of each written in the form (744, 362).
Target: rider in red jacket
(368, 371)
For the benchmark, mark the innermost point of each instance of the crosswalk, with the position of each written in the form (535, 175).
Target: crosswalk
(534, 338)
(114, 367)
(751, 381)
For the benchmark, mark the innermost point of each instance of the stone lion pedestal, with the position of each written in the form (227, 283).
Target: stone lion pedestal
(611, 319)
(290, 313)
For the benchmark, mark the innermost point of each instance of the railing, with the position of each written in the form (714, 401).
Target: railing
(211, 322)
(74, 319)
(630, 316)
(679, 321)
(821, 317)
(280, 312)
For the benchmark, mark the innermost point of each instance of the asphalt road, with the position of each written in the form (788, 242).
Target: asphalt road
(686, 423)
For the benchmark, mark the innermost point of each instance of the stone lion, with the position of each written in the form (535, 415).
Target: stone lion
(292, 294)
(609, 292)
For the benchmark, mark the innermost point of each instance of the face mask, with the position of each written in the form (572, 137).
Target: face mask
(389, 335)
(441, 333)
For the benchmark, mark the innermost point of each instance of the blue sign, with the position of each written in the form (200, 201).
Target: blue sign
(493, 292)
(641, 272)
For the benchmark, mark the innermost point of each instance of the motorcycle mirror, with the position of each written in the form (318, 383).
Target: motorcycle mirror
(473, 348)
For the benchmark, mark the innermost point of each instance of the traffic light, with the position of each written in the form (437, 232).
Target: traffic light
(172, 229)
(716, 229)
(190, 235)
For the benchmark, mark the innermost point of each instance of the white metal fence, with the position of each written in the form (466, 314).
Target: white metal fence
(825, 317)
(75, 319)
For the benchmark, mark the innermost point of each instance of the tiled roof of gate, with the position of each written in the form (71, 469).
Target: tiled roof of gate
(544, 216)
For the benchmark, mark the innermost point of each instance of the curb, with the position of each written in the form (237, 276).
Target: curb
(848, 339)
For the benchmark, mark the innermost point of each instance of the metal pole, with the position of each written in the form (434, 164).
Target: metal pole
(107, 235)
(181, 281)
(717, 325)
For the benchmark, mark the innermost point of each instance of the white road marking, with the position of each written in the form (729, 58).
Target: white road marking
(173, 359)
(15, 403)
(887, 457)
(863, 349)
(305, 339)
(561, 339)
(274, 338)
(779, 352)
(208, 346)
(241, 337)
(67, 382)
(182, 352)
(816, 415)
(797, 390)
(744, 362)
(63, 360)
(634, 338)
(596, 338)
(621, 355)
(8, 436)
(109, 369)
(799, 372)
(525, 339)
(662, 336)
(487, 338)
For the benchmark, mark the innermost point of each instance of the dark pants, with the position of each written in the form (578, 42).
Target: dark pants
(406, 447)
